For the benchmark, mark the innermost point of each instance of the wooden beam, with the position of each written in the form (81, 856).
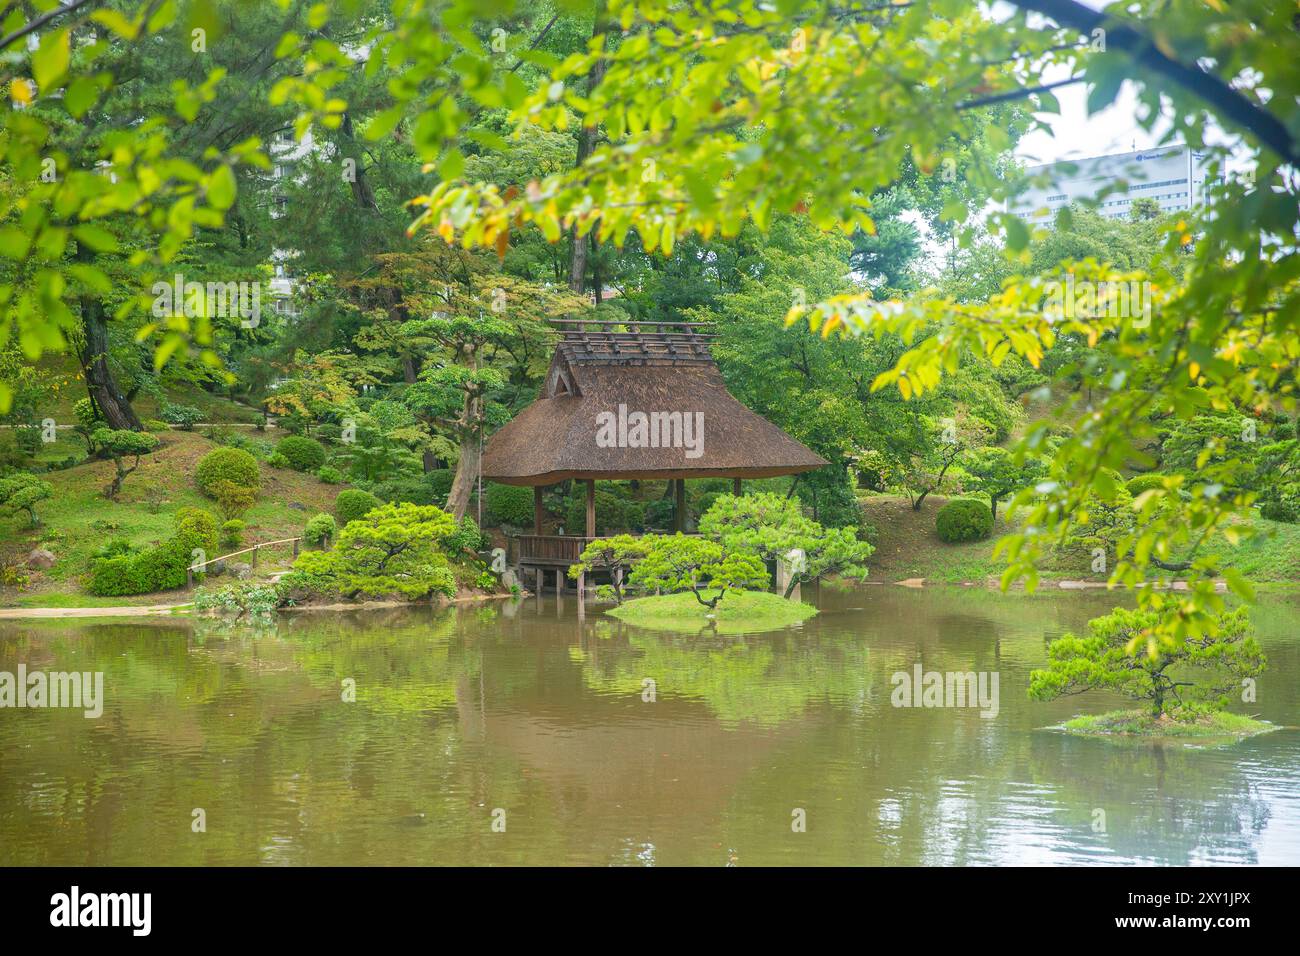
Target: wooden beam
(591, 507)
(537, 509)
(735, 487)
(679, 511)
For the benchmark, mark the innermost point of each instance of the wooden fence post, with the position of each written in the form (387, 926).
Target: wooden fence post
(295, 547)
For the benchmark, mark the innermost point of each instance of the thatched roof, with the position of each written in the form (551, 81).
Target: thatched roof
(586, 423)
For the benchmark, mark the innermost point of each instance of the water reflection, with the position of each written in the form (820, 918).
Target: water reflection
(391, 737)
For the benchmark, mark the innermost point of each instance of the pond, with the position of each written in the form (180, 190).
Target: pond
(521, 733)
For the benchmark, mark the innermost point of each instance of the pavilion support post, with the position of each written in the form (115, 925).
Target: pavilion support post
(679, 510)
(735, 487)
(591, 507)
(537, 509)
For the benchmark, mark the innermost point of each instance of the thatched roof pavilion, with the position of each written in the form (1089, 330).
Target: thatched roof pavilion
(647, 402)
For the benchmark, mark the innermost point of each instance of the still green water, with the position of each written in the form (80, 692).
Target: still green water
(527, 709)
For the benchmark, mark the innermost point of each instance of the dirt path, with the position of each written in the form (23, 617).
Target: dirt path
(134, 610)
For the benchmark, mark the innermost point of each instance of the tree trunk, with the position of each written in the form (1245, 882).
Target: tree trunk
(103, 388)
(583, 245)
(471, 456)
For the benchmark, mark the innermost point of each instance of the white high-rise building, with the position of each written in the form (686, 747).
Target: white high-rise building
(1174, 176)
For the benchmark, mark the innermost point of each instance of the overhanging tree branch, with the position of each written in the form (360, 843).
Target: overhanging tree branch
(1230, 104)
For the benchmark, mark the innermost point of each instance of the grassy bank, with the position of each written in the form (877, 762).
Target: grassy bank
(78, 520)
(1139, 723)
(907, 547)
(738, 612)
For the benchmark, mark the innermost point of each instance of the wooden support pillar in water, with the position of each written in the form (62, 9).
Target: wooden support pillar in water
(591, 507)
(537, 510)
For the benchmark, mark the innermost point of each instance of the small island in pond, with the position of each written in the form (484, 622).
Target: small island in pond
(742, 611)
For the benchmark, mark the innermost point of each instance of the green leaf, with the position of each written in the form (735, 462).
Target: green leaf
(50, 61)
(97, 238)
(13, 242)
(80, 96)
(222, 188)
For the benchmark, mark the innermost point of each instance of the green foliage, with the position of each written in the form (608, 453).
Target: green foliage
(963, 519)
(413, 489)
(329, 475)
(466, 537)
(302, 453)
(319, 529)
(243, 597)
(997, 473)
(119, 445)
(22, 492)
(276, 460)
(225, 464)
(1287, 512)
(232, 533)
(186, 416)
(394, 549)
(621, 551)
(1121, 653)
(614, 512)
(156, 569)
(705, 568)
(1140, 483)
(509, 504)
(774, 528)
(353, 503)
(233, 500)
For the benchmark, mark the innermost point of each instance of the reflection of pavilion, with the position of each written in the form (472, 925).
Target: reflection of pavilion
(648, 404)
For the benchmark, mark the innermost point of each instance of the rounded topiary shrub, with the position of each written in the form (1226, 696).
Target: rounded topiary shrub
(320, 528)
(508, 504)
(1143, 483)
(302, 453)
(963, 520)
(353, 504)
(1284, 511)
(276, 460)
(230, 464)
(329, 475)
(232, 533)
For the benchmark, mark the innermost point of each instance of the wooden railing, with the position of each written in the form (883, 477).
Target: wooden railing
(551, 548)
(200, 565)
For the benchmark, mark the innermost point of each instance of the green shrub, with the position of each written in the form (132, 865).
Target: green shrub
(1285, 511)
(186, 416)
(963, 520)
(466, 537)
(158, 569)
(232, 533)
(1143, 483)
(509, 504)
(303, 454)
(659, 514)
(353, 503)
(319, 529)
(276, 460)
(329, 475)
(154, 425)
(412, 489)
(230, 464)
